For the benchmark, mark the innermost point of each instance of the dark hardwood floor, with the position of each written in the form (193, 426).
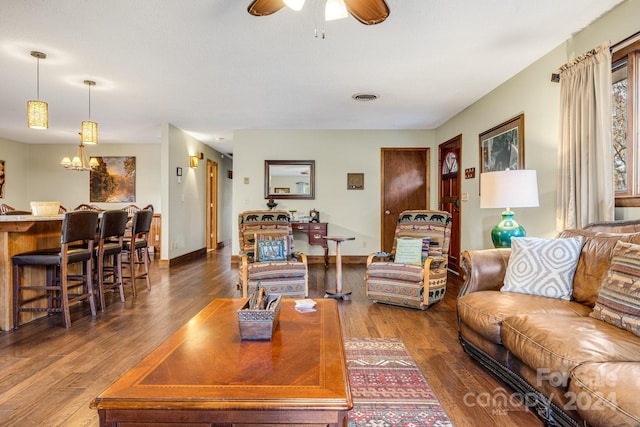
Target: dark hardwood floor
(48, 375)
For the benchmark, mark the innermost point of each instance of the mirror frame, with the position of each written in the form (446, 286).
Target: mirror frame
(312, 179)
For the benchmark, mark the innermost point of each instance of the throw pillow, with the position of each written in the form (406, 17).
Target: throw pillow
(618, 301)
(270, 250)
(409, 251)
(543, 267)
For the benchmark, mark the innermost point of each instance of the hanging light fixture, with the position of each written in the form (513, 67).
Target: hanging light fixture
(335, 9)
(294, 4)
(38, 111)
(80, 162)
(89, 133)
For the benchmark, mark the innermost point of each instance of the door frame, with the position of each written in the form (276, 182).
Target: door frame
(212, 205)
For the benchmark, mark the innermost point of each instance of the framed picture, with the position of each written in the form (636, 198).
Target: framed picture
(282, 190)
(113, 180)
(355, 181)
(1, 179)
(502, 147)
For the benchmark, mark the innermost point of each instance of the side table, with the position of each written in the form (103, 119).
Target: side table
(338, 293)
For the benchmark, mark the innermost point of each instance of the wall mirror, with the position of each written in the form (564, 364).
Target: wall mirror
(289, 179)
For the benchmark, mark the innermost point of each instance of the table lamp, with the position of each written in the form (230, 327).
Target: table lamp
(508, 189)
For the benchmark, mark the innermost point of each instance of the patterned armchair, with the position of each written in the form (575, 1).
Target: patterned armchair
(404, 284)
(259, 231)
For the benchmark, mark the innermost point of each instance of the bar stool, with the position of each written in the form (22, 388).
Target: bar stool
(138, 245)
(110, 241)
(77, 227)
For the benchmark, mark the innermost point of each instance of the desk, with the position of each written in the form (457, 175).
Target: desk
(21, 234)
(204, 374)
(338, 292)
(315, 232)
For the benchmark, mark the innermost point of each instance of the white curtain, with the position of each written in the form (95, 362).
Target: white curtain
(585, 169)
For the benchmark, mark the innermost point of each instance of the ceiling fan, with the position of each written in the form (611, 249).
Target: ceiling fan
(369, 12)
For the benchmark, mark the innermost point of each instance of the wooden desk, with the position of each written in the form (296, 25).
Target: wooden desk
(204, 374)
(315, 233)
(21, 234)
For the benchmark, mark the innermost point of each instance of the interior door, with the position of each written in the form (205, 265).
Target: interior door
(405, 185)
(449, 194)
(212, 205)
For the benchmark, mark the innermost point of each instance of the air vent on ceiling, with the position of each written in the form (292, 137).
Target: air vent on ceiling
(365, 97)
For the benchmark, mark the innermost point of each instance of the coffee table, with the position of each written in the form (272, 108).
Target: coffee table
(204, 374)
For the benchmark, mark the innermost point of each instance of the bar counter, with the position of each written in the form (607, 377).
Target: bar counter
(22, 233)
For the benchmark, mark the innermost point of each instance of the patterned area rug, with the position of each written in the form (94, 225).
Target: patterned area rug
(388, 388)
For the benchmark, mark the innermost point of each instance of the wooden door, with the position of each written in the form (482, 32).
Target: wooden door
(405, 185)
(212, 205)
(449, 195)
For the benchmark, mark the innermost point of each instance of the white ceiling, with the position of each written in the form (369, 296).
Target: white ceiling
(209, 68)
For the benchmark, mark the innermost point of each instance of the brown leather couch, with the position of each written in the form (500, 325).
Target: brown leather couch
(571, 369)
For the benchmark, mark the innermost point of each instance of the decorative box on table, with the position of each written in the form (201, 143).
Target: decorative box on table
(258, 323)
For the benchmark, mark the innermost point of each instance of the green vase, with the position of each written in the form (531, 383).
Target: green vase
(502, 233)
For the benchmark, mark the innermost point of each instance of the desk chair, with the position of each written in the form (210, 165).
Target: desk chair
(418, 284)
(137, 247)
(110, 242)
(77, 244)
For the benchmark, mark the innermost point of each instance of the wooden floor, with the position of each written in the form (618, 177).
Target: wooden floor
(48, 375)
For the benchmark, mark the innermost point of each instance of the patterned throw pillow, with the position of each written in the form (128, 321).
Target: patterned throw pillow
(618, 301)
(271, 246)
(543, 267)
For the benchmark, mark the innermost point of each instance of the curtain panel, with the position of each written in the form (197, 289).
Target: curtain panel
(585, 170)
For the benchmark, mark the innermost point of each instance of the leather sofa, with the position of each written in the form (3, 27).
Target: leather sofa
(568, 367)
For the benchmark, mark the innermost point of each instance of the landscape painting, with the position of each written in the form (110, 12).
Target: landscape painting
(113, 180)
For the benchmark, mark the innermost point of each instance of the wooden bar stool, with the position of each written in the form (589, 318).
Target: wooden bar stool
(77, 244)
(137, 247)
(110, 242)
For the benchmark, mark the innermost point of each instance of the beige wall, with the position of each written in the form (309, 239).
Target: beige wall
(530, 92)
(336, 152)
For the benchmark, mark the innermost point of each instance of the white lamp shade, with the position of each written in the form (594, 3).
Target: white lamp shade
(509, 189)
(294, 4)
(335, 9)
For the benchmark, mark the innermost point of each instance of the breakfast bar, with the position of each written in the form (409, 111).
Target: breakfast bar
(22, 233)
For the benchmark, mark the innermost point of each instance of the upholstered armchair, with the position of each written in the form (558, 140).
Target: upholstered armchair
(266, 255)
(414, 274)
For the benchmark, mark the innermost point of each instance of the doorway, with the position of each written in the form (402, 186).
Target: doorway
(212, 205)
(405, 185)
(449, 194)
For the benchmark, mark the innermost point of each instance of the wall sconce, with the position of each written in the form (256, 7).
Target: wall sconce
(193, 161)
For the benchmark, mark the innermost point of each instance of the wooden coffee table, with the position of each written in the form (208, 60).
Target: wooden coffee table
(204, 374)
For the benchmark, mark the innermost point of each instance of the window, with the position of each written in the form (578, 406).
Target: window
(625, 105)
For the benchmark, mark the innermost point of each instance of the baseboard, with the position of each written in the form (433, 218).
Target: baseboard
(182, 259)
(319, 259)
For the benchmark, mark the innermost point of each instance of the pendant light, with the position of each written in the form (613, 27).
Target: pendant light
(38, 111)
(89, 132)
(294, 4)
(335, 9)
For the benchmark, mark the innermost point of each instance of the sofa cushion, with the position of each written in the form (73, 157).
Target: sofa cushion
(618, 301)
(554, 344)
(606, 394)
(395, 271)
(274, 270)
(594, 261)
(543, 267)
(484, 311)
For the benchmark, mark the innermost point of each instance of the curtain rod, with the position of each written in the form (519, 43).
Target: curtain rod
(555, 77)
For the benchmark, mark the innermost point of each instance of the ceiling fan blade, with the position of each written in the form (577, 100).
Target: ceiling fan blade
(369, 12)
(265, 7)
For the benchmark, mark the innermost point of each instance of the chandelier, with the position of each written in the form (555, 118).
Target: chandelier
(80, 161)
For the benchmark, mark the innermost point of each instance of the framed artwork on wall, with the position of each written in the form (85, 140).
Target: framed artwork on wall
(502, 147)
(1, 179)
(113, 180)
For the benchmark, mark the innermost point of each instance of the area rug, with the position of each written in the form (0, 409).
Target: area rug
(388, 388)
